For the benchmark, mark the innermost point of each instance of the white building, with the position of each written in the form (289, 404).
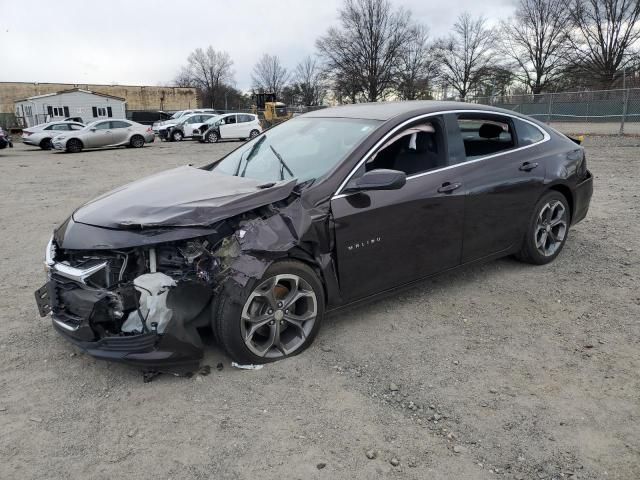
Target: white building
(74, 103)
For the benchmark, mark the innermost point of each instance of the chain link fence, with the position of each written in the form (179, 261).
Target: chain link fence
(605, 112)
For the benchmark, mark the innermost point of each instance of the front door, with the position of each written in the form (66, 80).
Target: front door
(101, 136)
(387, 238)
(230, 127)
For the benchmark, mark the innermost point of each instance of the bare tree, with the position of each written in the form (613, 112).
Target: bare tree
(366, 47)
(210, 71)
(605, 36)
(269, 75)
(536, 41)
(417, 67)
(465, 55)
(309, 82)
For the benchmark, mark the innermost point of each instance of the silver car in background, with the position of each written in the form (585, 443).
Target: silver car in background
(41, 135)
(105, 133)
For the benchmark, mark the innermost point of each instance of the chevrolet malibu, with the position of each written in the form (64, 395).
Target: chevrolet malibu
(104, 133)
(331, 208)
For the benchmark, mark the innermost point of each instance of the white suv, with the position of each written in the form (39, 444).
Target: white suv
(229, 126)
(185, 127)
(178, 116)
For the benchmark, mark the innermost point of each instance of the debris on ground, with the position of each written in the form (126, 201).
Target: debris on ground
(246, 367)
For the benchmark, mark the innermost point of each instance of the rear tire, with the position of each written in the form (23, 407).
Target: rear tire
(253, 134)
(74, 146)
(45, 144)
(137, 141)
(547, 231)
(290, 327)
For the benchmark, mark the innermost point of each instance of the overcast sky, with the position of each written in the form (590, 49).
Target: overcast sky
(139, 42)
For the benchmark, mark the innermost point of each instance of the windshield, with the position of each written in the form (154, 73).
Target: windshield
(213, 120)
(302, 148)
(177, 114)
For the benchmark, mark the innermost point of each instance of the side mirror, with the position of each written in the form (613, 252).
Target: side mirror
(379, 179)
(93, 129)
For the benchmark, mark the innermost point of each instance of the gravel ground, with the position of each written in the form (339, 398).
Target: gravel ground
(498, 371)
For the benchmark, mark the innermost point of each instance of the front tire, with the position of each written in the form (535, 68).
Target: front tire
(74, 146)
(177, 136)
(212, 137)
(137, 141)
(548, 230)
(272, 318)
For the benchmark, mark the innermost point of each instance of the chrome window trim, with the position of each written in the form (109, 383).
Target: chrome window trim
(546, 137)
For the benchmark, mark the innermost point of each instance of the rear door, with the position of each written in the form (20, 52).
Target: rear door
(387, 238)
(120, 131)
(503, 178)
(244, 125)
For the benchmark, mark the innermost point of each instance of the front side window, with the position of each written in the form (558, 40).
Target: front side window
(485, 135)
(102, 126)
(302, 148)
(416, 149)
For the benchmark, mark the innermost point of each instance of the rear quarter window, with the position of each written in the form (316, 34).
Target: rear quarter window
(527, 134)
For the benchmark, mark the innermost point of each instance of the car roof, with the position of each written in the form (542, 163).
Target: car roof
(388, 110)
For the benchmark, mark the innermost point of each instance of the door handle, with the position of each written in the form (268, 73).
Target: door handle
(527, 167)
(448, 187)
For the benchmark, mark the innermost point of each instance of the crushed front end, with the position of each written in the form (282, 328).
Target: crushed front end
(140, 306)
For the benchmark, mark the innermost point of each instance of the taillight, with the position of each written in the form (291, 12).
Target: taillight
(149, 129)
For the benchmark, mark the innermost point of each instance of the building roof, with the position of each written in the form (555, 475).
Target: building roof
(388, 110)
(72, 90)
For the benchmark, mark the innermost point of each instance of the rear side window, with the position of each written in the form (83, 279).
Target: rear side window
(60, 126)
(527, 133)
(119, 124)
(485, 135)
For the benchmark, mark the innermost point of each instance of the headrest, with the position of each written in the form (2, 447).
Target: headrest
(490, 130)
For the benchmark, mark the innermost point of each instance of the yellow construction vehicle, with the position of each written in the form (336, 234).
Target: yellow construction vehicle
(269, 110)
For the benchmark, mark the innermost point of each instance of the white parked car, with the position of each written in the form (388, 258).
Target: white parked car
(41, 135)
(230, 126)
(185, 127)
(179, 115)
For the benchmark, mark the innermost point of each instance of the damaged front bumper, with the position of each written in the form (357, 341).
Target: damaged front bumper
(150, 322)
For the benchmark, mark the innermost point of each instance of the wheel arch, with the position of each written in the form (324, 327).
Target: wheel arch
(566, 192)
(74, 138)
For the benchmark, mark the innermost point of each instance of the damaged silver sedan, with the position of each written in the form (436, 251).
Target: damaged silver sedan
(325, 210)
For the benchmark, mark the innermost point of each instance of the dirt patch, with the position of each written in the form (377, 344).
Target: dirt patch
(502, 370)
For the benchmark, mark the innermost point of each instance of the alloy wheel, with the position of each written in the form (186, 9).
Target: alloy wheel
(212, 137)
(278, 316)
(551, 228)
(254, 134)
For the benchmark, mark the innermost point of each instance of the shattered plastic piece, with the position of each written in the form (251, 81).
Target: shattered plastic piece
(246, 367)
(153, 288)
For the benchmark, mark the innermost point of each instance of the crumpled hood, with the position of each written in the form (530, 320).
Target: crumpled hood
(181, 197)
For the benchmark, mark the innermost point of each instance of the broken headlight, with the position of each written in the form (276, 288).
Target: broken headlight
(50, 254)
